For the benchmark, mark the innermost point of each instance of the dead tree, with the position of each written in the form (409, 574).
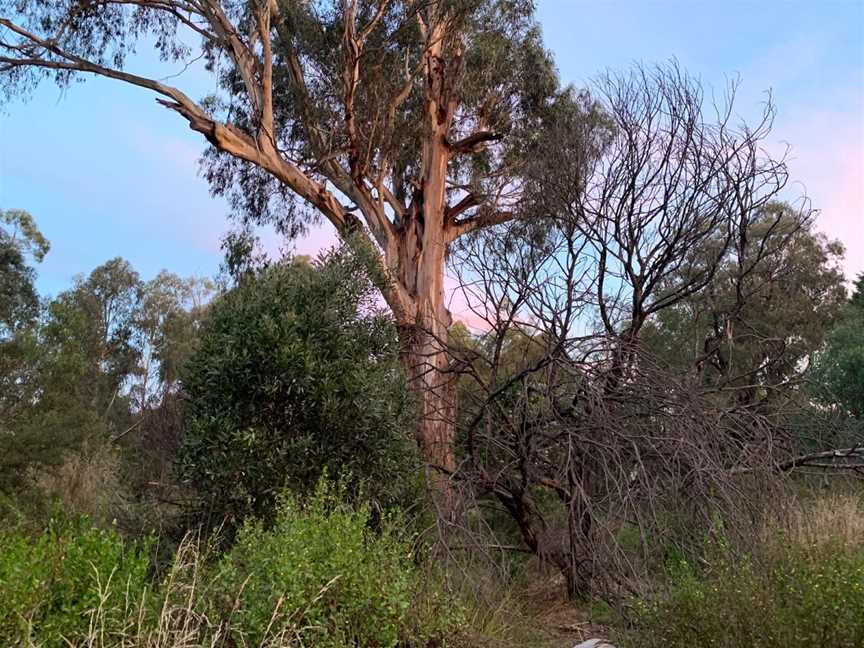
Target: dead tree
(567, 422)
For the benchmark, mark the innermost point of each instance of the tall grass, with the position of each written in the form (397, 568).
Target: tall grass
(802, 585)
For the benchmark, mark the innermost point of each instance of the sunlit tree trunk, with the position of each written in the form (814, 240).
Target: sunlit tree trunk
(422, 251)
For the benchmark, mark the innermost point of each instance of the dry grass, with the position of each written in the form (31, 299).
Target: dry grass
(86, 482)
(179, 621)
(834, 518)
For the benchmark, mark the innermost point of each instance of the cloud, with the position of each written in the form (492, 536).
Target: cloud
(319, 238)
(827, 164)
(179, 151)
(842, 215)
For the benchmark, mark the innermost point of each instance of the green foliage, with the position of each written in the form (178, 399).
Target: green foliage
(319, 576)
(167, 321)
(322, 576)
(50, 584)
(297, 372)
(764, 314)
(97, 366)
(795, 598)
(71, 372)
(19, 239)
(839, 373)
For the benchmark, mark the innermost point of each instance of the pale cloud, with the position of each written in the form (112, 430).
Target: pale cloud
(316, 240)
(820, 120)
(842, 215)
(182, 151)
(827, 163)
(466, 305)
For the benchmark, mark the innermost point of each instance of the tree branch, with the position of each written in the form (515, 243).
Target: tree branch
(816, 459)
(480, 221)
(474, 142)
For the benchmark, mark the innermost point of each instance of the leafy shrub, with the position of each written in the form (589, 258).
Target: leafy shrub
(297, 373)
(320, 576)
(51, 586)
(797, 597)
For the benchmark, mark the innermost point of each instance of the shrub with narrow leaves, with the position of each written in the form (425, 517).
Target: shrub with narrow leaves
(54, 586)
(321, 576)
(297, 373)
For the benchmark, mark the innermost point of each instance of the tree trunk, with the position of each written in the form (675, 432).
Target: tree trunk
(426, 358)
(422, 252)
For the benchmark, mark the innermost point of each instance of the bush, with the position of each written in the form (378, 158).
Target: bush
(320, 576)
(297, 373)
(795, 595)
(55, 586)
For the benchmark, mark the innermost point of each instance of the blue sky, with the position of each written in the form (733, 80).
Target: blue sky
(107, 172)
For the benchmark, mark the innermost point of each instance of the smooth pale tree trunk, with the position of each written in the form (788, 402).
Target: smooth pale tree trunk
(421, 258)
(424, 338)
(422, 253)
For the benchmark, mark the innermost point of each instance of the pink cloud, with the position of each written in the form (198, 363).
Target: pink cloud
(317, 239)
(827, 163)
(182, 151)
(842, 214)
(465, 306)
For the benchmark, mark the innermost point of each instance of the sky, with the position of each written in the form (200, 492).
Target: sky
(108, 172)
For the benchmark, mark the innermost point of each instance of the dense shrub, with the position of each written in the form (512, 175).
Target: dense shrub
(322, 577)
(55, 585)
(297, 372)
(799, 596)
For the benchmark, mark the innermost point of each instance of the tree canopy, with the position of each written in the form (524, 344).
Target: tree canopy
(21, 244)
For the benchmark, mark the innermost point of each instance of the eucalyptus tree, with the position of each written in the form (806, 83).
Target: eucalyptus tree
(21, 244)
(761, 320)
(404, 121)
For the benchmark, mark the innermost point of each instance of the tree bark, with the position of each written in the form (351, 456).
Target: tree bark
(421, 257)
(425, 359)
(422, 254)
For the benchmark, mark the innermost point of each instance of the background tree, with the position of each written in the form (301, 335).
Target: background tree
(21, 244)
(81, 359)
(839, 374)
(90, 406)
(167, 323)
(90, 347)
(402, 121)
(296, 374)
(757, 325)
